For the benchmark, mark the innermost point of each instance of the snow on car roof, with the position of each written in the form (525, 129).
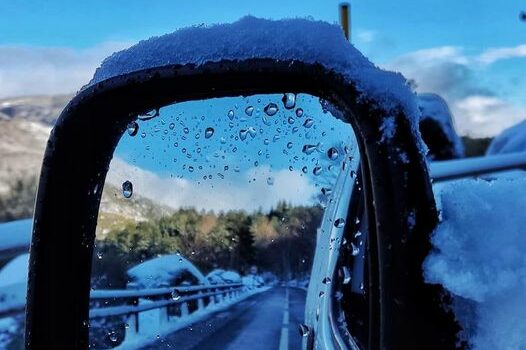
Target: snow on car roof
(435, 107)
(256, 38)
(15, 234)
(165, 268)
(510, 140)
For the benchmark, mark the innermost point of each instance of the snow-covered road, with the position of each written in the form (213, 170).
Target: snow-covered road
(266, 321)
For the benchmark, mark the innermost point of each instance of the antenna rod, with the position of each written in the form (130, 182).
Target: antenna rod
(345, 19)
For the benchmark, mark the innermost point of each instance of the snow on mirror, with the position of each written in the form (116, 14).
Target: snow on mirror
(208, 223)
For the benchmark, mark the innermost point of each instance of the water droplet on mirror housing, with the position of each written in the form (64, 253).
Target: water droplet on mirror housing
(289, 100)
(133, 128)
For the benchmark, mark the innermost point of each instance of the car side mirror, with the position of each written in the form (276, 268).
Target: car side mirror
(248, 58)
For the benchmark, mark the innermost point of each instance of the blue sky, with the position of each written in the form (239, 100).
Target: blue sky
(171, 160)
(471, 52)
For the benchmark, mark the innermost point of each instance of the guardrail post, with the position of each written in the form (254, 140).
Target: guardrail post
(200, 303)
(163, 315)
(132, 326)
(184, 309)
(212, 300)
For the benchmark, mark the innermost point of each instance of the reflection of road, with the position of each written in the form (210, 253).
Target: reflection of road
(265, 321)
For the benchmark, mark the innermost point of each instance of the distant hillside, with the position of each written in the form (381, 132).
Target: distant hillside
(41, 109)
(117, 211)
(25, 124)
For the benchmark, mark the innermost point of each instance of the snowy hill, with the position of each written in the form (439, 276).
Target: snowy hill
(25, 124)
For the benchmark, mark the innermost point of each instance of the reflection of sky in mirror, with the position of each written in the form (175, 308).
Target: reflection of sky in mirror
(233, 148)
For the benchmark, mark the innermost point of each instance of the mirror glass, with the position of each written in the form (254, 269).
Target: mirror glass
(208, 223)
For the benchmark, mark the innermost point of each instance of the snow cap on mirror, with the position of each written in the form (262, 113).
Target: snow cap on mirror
(302, 40)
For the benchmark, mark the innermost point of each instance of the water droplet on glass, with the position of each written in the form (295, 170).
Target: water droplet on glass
(252, 131)
(112, 336)
(299, 112)
(358, 233)
(133, 128)
(149, 115)
(305, 170)
(340, 222)
(308, 123)
(289, 145)
(346, 275)
(99, 255)
(326, 191)
(291, 120)
(243, 134)
(249, 131)
(354, 249)
(191, 169)
(209, 132)
(186, 130)
(249, 110)
(270, 181)
(289, 100)
(304, 330)
(127, 189)
(332, 153)
(143, 135)
(175, 295)
(317, 170)
(230, 114)
(171, 126)
(308, 149)
(326, 280)
(271, 109)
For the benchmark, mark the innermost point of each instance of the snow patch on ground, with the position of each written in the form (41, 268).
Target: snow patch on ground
(163, 270)
(480, 257)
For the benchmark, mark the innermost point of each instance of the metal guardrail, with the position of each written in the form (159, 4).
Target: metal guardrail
(458, 168)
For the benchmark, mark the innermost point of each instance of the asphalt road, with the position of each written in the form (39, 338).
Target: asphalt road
(266, 321)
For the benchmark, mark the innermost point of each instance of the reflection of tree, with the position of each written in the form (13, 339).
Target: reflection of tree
(281, 241)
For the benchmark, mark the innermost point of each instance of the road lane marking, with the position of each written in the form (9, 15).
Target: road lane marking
(284, 338)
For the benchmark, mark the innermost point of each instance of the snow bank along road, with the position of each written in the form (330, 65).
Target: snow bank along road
(266, 321)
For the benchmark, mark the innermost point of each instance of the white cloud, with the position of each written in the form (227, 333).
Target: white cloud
(488, 115)
(457, 77)
(26, 70)
(235, 191)
(366, 36)
(496, 54)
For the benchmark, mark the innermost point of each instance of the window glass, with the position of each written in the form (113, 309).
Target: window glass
(208, 223)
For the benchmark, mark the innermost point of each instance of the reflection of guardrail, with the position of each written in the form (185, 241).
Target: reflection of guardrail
(128, 302)
(178, 302)
(140, 314)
